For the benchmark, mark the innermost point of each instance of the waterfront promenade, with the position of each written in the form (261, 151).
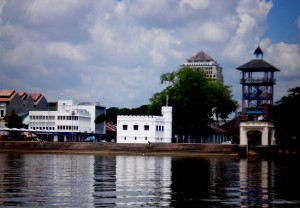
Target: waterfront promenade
(108, 147)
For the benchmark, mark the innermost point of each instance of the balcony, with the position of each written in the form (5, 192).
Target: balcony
(258, 81)
(258, 96)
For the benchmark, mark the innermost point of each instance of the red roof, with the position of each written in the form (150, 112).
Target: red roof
(36, 97)
(7, 95)
(23, 95)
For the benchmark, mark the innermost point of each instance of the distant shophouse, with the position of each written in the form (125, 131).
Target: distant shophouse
(20, 102)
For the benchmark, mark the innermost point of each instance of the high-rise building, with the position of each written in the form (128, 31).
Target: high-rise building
(208, 65)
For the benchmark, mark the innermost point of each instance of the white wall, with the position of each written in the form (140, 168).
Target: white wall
(90, 107)
(160, 128)
(48, 120)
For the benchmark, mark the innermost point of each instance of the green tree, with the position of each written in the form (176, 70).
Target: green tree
(195, 100)
(287, 111)
(113, 112)
(13, 120)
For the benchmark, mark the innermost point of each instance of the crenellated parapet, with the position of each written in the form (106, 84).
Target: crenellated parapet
(138, 118)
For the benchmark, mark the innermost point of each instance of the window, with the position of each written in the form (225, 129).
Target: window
(124, 138)
(162, 128)
(134, 138)
(145, 138)
(146, 127)
(135, 127)
(125, 128)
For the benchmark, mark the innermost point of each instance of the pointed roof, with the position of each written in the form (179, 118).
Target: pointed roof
(36, 97)
(201, 56)
(258, 52)
(23, 95)
(7, 95)
(257, 65)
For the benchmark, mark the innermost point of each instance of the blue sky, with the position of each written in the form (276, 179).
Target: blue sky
(282, 24)
(115, 51)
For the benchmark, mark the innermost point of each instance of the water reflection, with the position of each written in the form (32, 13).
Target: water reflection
(58, 180)
(104, 181)
(45, 180)
(143, 181)
(256, 183)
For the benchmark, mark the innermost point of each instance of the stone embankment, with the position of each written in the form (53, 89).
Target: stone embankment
(114, 148)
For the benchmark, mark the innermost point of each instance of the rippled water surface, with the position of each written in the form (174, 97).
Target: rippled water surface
(58, 180)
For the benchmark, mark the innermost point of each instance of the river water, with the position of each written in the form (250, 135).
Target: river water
(74, 180)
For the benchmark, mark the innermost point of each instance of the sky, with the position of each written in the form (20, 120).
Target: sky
(114, 51)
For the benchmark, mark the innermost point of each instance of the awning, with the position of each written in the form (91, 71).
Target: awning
(110, 127)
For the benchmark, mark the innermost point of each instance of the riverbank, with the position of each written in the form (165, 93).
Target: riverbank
(114, 148)
(109, 148)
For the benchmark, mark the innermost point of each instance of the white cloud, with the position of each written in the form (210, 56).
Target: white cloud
(116, 50)
(65, 51)
(2, 4)
(251, 20)
(298, 22)
(212, 32)
(38, 11)
(285, 56)
(196, 4)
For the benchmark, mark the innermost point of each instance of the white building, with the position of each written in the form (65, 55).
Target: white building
(71, 122)
(208, 65)
(144, 129)
(92, 107)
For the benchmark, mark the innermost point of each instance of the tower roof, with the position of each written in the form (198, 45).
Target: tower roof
(201, 56)
(258, 52)
(257, 65)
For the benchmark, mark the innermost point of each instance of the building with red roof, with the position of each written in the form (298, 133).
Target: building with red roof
(20, 102)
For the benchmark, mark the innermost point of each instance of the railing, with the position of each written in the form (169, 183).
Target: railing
(258, 96)
(257, 81)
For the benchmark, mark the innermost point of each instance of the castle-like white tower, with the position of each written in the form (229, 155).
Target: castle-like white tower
(145, 129)
(167, 116)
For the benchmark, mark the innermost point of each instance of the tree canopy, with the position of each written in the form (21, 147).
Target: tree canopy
(286, 112)
(113, 112)
(195, 100)
(12, 120)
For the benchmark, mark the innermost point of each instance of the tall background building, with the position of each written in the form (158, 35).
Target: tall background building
(208, 65)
